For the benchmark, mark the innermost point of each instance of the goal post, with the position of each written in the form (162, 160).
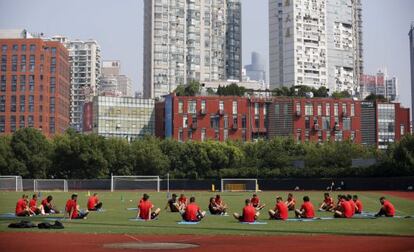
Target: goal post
(11, 183)
(239, 185)
(135, 183)
(50, 185)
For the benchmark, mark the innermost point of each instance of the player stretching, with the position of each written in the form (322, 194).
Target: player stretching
(387, 208)
(249, 213)
(255, 201)
(290, 202)
(306, 211)
(145, 209)
(280, 212)
(328, 203)
(192, 212)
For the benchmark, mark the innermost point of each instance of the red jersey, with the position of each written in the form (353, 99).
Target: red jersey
(183, 200)
(191, 212)
(291, 200)
(71, 205)
(145, 209)
(249, 214)
(44, 202)
(282, 210)
(20, 206)
(32, 205)
(309, 210)
(255, 201)
(359, 205)
(328, 201)
(92, 202)
(346, 209)
(352, 204)
(218, 201)
(389, 208)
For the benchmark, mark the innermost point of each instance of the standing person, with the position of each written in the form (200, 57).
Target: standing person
(72, 208)
(387, 209)
(145, 209)
(33, 206)
(21, 206)
(327, 204)
(255, 201)
(249, 213)
(344, 208)
(358, 205)
(306, 211)
(173, 204)
(192, 212)
(182, 202)
(48, 207)
(280, 212)
(93, 203)
(222, 207)
(290, 202)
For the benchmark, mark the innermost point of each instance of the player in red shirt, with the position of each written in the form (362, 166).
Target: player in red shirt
(358, 205)
(182, 202)
(72, 208)
(214, 208)
(344, 209)
(351, 203)
(249, 213)
(327, 204)
(145, 209)
(306, 210)
(192, 212)
(93, 203)
(48, 207)
(33, 206)
(220, 204)
(290, 202)
(255, 201)
(280, 212)
(21, 207)
(387, 208)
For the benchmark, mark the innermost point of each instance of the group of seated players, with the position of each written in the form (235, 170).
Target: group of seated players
(24, 207)
(346, 207)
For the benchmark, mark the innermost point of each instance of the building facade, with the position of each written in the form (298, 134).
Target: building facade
(190, 40)
(256, 70)
(124, 117)
(113, 81)
(85, 62)
(34, 86)
(379, 84)
(315, 43)
(411, 36)
(320, 120)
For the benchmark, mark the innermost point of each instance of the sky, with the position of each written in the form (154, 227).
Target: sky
(117, 25)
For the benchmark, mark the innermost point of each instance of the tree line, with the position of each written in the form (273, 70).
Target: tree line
(30, 154)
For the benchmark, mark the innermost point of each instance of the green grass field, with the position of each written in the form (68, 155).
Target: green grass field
(115, 218)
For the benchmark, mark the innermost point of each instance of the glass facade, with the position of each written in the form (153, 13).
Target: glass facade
(386, 125)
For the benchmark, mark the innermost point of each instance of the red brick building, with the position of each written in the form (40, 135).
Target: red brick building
(34, 85)
(306, 119)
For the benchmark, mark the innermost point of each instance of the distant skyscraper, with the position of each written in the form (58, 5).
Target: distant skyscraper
(85, 61)
(112, 81)
(315, 43)
(379, 84)
(256, 70)
(190, 40)
(411, 35)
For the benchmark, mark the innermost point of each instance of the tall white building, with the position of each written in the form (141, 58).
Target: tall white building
(315, 43)
(113, 82)
(188, 40)
(85, 60)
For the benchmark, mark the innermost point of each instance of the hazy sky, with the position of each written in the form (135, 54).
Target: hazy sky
(117, 26)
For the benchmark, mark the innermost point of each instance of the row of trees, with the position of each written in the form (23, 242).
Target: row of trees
(71, 155)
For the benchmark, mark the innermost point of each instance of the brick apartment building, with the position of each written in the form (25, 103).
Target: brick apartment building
(306, 119)
(35, 85)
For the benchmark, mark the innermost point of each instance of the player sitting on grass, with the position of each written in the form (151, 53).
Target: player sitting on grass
(255, 201)
(33, 206)
(351, 203)
(358, 205)
(220, 203)
(387, 208)
(21, 207)
(290, 202)
(328, 203)
(145, 209)
(192, 212)
(344, 209)
(48, 207)
(173, 204)
(214, 208)
(72, 208)
(306, 211)
(93, 203)
(280, 212)
(249, 213)
(182, 202)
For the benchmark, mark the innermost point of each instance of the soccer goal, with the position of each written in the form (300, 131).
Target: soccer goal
(135, 183)
(11, 183)
(239, 185)
(50, 185)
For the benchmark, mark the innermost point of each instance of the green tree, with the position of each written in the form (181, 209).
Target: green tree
(374, 97)
(342, 94)
(148, 158)
(191, 89)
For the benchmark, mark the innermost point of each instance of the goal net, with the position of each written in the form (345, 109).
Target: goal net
(50, 185)
(11, 183)
(239, 185)
(135, 183)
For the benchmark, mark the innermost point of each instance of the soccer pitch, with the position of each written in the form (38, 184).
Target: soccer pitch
(115, 218)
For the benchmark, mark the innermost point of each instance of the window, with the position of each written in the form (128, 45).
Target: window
(190, 134)
(307, 135)
(51, 124)
(14, 63)
(320, 138)
(52, 104)
(32, 62)
(180, 107)
(13, 123)
(352, 136)
(14, 83)
(352, 109)
(4, 49)
(23, 63)
(2, 123)
(214, 122)
(21, 121)
(3, 83)
(319, 109)
(15, 48)
(328, 109)
(235, 122)
(192, 107)
(22, 103)
(23, 48)
(234, 107)
(53, 50)
(2, 103)
(13, 103)
(277, 109)
(402, 129)
(344, 110)
(308, 109)
(298, 108)
(31, 83)
(307, 122)
(256, 108)
(185, 121)
(346, 123)
(336, 108)
(221, 106)
(203, 134)
(216, 135)
(244, 123)
(203, 106)
(326, 124)
(180, 135)
(299, 135)
(338, 136)
(52, 84)
(3, 63)
(31, 103)
(225, 134)
(226, 122)
(32, 48)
